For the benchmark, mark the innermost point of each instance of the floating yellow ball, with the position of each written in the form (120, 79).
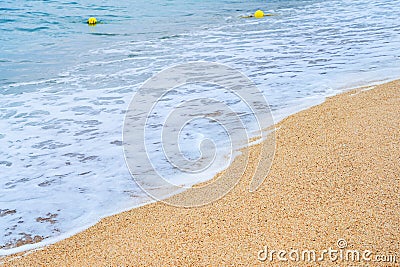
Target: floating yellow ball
(92, 21)
(259, 14)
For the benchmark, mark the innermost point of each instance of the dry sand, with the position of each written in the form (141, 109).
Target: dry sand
(335, 176)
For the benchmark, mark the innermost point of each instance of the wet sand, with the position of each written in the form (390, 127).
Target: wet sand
(335, 176)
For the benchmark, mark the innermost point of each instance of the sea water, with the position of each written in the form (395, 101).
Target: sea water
(65, 86)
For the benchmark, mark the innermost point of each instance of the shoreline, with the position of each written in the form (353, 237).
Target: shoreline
(309, 102)
(297, 125)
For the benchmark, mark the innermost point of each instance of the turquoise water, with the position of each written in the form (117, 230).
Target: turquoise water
(65, 86)
(35, 35)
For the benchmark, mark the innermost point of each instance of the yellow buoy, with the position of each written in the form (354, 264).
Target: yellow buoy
(259, 14)
(92, 21)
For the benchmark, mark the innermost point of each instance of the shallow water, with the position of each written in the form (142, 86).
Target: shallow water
(65, 86)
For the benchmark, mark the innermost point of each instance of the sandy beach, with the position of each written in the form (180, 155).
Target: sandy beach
(333, 185)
